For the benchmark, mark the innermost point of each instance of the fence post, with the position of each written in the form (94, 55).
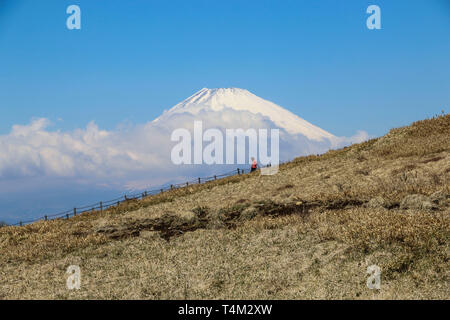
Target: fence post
(199, 180)
(74, 211)
(171, 187)
(242, 170)
(187, 184)
(101, 207)
(238, 171)
(215, 177)
(162, 190)
(20, 223)
(118, 202)
(45, 217)
(125, 197)
(67, 216)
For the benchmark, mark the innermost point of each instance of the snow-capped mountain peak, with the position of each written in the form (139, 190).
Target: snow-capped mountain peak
(243, 100)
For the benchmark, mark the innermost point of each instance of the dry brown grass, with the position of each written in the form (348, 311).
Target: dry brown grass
(308, 232)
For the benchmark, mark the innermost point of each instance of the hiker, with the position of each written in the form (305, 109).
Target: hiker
(254, 165)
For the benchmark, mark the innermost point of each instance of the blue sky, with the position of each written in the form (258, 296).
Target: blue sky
(133, 59)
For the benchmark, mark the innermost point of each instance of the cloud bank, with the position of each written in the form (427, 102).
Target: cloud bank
(126, 156)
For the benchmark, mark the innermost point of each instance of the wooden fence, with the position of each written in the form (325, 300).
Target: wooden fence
(103, 205)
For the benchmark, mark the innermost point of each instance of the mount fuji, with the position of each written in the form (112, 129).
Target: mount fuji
(139, 157)
(242, 100)
(225, 108)
(34, 151)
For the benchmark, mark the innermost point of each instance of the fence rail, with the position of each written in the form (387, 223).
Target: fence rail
(104, 205)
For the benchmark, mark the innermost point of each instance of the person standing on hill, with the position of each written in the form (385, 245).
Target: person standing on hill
(254, 165)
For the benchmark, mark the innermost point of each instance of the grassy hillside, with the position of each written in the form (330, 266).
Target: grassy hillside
(308, 232)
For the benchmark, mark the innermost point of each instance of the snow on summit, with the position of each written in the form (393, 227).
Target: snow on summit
(237, 99)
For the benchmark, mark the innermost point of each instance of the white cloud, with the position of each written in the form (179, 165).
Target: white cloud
(135, 157)
(359, 137)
